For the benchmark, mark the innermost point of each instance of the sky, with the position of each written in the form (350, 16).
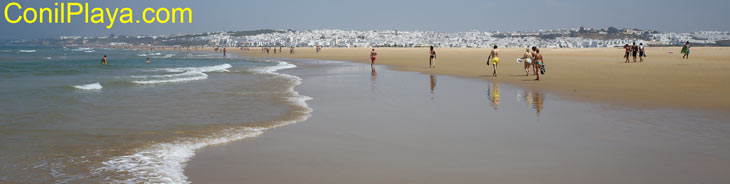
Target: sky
(426, 15)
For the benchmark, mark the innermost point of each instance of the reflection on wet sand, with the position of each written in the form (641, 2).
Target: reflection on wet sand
(535, 99)
(433, 82)
(373, 78)
(373, 73)
(493, 93)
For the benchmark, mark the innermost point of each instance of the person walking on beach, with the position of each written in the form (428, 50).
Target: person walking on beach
(538, 63)
(432, 58)
(494, 58)
(291, 50)
(372, 57)
(626, 55)
(634, 51)
(641, 52)
(527, 60)
(685, 50)
(224, 52)
(534, 63)
(103, 60)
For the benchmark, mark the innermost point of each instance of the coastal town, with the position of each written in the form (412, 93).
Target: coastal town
(558, 38)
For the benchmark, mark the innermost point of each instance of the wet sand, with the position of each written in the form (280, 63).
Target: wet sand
(384, 126)
(664, 80)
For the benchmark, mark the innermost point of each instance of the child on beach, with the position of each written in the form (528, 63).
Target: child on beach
(685, 50)
(627, 51)
(432, 58)
(372, 57)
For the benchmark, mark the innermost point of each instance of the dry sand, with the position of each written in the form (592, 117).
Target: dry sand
(593, 74)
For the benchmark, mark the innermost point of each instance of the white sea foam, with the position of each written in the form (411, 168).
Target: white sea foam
(80, 49)
(272, 69)
(165, 162)
(181, 74)
(92, 86)
(27, 51)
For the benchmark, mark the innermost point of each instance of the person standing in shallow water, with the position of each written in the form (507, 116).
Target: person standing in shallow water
(372, 57)
(494, 58)
(432, 58)
(148, 60)
(103, 60)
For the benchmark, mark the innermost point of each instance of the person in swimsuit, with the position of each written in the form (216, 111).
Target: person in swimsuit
(534, 64)
(527, 60)
(432, 59)
(224, 52)
(634, 51)
(494, 58)
(148, 60)
(685, 50)
(372, 57)
(538, 63)
(641, 52)
(103, 60)
(628, 50)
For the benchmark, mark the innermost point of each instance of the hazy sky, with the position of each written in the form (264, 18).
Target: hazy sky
(433, 15)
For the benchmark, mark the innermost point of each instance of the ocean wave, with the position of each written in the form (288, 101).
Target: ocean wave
(92, 86)
(165, 162)
(187, 74)
(27, 51)
(272, 69)
(80, 49)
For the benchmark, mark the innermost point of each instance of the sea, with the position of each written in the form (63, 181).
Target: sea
(67, 118)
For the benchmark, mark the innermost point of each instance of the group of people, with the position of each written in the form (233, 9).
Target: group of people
(267, 50)
(103, 60)
(633, 50)
(532, 59)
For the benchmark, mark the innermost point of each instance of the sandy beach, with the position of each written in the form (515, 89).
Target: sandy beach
(590, 74)
(375, 125)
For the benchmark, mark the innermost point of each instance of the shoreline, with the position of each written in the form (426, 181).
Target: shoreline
(588, 74)
(393, 126)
